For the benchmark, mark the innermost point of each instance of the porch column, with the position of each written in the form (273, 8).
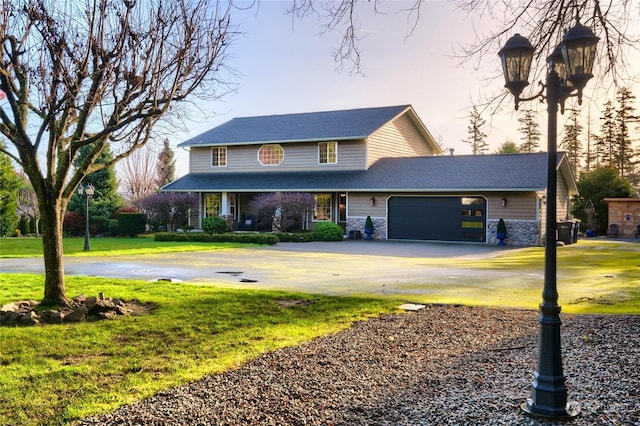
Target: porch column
(224, 204)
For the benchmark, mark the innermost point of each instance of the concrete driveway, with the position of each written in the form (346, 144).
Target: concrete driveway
(334, 268)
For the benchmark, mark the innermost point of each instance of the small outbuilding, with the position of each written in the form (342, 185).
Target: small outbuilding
(624, 217)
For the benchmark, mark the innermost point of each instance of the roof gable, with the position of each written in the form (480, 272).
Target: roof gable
(313, 126)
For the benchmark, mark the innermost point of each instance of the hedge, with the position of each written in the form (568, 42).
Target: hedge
(229, 237)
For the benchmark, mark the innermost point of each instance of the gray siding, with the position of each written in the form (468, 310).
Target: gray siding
(398, 138)
(297, 157)
(520, 206)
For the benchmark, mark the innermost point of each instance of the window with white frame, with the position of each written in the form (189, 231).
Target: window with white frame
(328, 152)
(322, 207)
(219, 156)
(212, 203)
(270, 155)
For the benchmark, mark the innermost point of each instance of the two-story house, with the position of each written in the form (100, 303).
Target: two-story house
(379, 162)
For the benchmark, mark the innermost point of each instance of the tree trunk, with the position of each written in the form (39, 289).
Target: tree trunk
(54, 287)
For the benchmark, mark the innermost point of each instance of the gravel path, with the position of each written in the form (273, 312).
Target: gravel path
(441, 365)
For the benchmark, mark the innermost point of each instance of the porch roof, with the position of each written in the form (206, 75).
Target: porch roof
(505, 172)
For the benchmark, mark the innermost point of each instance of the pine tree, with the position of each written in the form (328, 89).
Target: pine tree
(530, 133)
(508, 147)
(105, 200)
(476, 136)
(166, 165)
(624, 115)
(605, 142)
(571, 141)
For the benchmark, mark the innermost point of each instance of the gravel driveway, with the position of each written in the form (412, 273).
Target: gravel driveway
(443, 365)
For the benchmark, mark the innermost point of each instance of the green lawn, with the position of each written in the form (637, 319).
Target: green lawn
(32, 247)
(56, 374)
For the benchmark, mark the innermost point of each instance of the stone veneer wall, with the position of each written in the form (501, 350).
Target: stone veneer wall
(379, 226)
(519, 232)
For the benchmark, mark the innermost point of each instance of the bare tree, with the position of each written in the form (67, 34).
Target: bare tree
(98, 73)
(542, 21)
(138, 174)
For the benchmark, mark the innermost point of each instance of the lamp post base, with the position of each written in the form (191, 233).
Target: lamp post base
(571, 410)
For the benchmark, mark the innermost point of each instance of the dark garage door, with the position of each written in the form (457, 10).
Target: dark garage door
(437, 218)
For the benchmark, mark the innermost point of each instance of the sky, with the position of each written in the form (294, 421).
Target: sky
(285, 65)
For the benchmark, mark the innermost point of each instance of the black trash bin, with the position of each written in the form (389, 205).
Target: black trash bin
(576, 230)
(564, 231)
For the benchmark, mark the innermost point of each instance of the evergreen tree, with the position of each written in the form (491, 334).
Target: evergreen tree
(9, 185)
(594, 187)
(166, 165)
(476, 135)
(605, 142)
(530, 132)
(508, 147)
(571, 141)
(624, 115)
(105, 200)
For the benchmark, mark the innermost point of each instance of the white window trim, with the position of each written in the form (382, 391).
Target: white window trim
(226, 159)
(331, 214)
(328, 142)
(270, 144)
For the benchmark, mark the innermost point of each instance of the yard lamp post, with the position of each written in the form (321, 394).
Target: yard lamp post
(87, 191)
(569, 71)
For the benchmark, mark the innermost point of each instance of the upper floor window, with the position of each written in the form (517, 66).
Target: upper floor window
(269, 155)
(219, 156)
(328, 152)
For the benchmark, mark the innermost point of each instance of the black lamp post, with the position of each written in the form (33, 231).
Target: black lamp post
(87, 191)
(569, 70)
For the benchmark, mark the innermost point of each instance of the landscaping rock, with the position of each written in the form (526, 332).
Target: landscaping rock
(51, 316)
(23, 313)
(79, 314)
(29, 318)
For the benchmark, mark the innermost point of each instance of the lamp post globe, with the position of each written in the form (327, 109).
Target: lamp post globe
(516, 57)
(569, 70)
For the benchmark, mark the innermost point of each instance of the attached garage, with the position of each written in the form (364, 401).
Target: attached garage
(450, 218)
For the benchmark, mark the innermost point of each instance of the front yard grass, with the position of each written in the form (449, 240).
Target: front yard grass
(55, 374)
(59, 373)
(74, 246)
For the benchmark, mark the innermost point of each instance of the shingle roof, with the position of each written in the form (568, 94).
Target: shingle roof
(503, 172)
(313, 126)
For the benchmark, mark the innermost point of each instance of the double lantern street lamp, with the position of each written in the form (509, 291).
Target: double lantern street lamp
(569, 70)
(87, 192)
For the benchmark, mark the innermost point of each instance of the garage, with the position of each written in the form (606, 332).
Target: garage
(450, 218)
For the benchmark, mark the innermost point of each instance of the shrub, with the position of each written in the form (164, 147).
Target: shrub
(502, 227)
(368, 224)
(131, 224)
(214, 225)
(228, 237)
(328, 231)
(113, 228)
(23, 224)
(296, 237)
(73, 224)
